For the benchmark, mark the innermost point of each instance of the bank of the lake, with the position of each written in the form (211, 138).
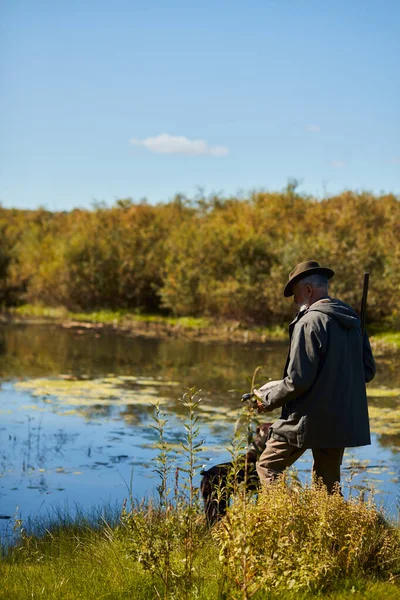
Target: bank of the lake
(327, 547)
(206, 329)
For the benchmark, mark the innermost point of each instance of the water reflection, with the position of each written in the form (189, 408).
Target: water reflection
(35, 351)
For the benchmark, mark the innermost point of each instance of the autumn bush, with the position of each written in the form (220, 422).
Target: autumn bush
(211, 256)
(302, 539)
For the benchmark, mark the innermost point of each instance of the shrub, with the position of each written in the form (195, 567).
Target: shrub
(304, 540)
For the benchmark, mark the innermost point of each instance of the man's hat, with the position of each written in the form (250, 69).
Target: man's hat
(304, 269)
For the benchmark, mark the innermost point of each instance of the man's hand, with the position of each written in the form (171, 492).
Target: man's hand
(259, 404)
(261, 395)
(261, 408)
(256, 403)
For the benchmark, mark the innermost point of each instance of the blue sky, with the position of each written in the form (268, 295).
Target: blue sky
(103, 100)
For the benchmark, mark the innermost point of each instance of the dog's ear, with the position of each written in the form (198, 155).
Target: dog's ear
(258, 430)
(263, 430)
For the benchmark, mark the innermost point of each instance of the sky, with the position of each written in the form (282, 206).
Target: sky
(101, 100)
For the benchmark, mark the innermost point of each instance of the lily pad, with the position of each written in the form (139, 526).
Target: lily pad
(385, 422)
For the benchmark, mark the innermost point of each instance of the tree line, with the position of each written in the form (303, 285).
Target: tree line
(226, 257)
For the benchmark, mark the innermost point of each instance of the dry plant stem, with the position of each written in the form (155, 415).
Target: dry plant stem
(253, 380)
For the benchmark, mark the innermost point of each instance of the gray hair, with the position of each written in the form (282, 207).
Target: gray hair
(317, 281)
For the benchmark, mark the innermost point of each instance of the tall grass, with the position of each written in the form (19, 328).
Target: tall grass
(289, 542)
(305, 540)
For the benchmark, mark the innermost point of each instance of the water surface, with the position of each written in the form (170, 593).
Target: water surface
(76, 411)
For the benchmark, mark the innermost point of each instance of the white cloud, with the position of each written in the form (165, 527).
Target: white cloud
(178, 144)
(337, 164)
(314, 128)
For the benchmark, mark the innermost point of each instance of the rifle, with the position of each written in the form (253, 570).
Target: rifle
(363, 312)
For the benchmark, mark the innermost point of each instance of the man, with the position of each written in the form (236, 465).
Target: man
(322, 393)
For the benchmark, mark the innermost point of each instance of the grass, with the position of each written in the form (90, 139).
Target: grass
(382, 337)
(207, 326)
(388, 339)
(105, 316)
(92, 565)
(102, 559)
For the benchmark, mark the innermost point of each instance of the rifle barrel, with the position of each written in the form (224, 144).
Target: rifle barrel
(364, 302)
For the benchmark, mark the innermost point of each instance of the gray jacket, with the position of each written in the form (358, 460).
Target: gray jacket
(322, 394)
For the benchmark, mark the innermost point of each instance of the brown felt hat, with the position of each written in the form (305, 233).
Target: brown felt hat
(305, 269)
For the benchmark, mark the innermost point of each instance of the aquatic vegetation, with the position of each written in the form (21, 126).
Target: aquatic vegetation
(127, 391)
(384, 415)
(88, 396)
(385, 420)
(71, 391)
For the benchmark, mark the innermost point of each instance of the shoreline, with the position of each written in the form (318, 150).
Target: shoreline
(201, 329)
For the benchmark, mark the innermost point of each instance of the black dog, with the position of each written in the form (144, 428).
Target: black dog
(218, 482)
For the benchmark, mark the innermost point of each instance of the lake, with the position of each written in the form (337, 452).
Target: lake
(76, 409)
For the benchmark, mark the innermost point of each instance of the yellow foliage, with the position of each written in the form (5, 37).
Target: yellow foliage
(227, 257)
(304, 539)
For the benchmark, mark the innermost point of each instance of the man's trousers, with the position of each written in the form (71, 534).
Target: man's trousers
(278, 455)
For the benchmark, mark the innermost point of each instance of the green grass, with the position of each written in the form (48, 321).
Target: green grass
(388, 338)
(322, 547)
(33, 310)
(382, 338)
(82, 562)
(126, 318)
(106, 316)
(274, 332)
